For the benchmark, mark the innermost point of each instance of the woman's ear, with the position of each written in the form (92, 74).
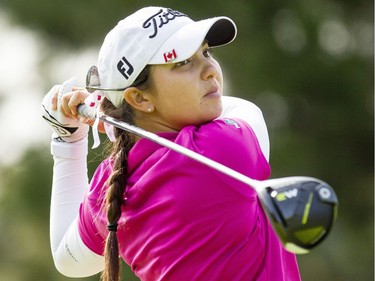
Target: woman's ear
(138, 99)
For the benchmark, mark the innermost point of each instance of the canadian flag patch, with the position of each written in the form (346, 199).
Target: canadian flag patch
(170, 56)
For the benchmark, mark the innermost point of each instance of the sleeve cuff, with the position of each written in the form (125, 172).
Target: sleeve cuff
(74, 150)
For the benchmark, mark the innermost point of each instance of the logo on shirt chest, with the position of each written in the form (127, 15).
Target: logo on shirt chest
(231, 123)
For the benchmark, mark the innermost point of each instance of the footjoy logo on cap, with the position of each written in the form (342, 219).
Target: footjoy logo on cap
(161, 18)
(125, 68)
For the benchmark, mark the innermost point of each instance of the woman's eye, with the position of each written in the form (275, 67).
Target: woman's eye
(182, 63)
(207, 53)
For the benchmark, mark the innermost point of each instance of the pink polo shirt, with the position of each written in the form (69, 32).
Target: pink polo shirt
(185, 221)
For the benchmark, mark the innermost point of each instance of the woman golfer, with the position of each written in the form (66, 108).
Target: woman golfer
(168, 217)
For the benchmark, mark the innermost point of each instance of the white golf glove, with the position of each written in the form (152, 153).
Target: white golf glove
(64, 128)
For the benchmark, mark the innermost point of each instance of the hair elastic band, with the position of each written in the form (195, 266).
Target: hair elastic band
(112, 227)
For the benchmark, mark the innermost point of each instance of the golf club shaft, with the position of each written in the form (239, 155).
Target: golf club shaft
(83, 110)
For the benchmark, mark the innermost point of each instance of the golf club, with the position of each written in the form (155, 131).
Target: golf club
(302, 210)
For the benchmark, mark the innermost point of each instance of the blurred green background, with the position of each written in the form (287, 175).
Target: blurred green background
(307, 64)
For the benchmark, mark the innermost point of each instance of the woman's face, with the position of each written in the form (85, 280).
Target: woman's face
(188, 92)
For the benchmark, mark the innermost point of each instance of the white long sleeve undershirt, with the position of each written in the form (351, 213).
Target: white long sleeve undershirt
(70, 183)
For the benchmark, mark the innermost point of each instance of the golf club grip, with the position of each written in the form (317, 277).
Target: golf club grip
(86, 111)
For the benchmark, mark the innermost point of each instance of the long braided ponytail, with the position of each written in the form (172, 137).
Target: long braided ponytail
(117, 181)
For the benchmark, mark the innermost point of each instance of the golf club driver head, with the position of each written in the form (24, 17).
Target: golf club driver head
(302, 211)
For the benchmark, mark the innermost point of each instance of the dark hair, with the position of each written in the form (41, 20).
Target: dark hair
(117, 182)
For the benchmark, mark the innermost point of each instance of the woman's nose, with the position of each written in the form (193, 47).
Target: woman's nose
(210, 69)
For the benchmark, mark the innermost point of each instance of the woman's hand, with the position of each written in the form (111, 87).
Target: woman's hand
(69, 102)
(59, 109)
(69, 106)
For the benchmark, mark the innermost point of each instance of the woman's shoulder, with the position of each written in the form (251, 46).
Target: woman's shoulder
(229, 141)
(224, 133)
(224, 137)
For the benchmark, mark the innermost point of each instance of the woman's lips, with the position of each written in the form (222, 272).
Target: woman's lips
(213, 92)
